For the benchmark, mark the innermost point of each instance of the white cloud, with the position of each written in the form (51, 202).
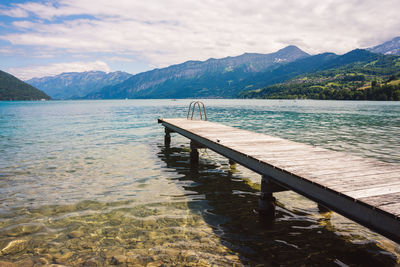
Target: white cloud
(14, 12)
(25, 73)
(119, 59)
(24, 24)
(167, 32)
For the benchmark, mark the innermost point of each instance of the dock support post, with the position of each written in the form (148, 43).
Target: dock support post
(266, 202)
(232, 163)
(194, 154)
(322, 208)
(167, 137)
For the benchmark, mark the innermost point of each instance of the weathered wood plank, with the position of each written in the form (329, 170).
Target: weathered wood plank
(320, 175)
(314, 168)
(392, 208)
(363, 185)
(370, 192)
(357, 180)
(382, 200)
(355, 172)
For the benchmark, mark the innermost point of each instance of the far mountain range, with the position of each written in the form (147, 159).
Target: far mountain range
(214, 78)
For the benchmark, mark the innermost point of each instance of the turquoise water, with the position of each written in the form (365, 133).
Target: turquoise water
(89, 183)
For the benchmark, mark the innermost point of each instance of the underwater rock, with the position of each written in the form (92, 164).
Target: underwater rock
(118, 259)
(47, 257)
(14, 246)
(154, 264)
(43, 261)
(7, 264)
(23, 230)
(91, 263)
(63, 256)
(191, 257)
(75, 234)
(27, 262)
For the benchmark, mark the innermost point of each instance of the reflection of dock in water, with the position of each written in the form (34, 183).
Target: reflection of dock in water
(364, 190)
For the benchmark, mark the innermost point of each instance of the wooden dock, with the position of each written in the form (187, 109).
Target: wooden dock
(361, 189)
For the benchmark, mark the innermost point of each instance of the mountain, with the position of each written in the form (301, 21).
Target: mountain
(357, 75)
(12, 88)
(210, 78)
(391, 47)
(77, 84)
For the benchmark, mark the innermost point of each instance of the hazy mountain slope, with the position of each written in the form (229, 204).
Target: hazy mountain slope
(77, 84)
(287, 71)
(391, 47)
(210, 78)
(12, 88)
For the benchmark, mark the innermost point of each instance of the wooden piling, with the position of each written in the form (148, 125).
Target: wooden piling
(167, 138)
(194, 154)
(266, 201)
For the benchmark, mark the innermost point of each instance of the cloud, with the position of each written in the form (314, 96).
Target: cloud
(13, 12)
(119, 59)
(26, 73)
(24, 24)
(166, 32)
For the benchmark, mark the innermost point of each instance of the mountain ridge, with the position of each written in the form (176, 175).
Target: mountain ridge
(391, 47)
(212, 77)
(70, 85)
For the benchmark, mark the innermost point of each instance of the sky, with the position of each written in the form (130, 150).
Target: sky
(47, 37)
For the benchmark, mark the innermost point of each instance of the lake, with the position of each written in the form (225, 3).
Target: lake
(90, 183)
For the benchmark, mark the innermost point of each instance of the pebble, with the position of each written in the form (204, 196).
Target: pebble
(62, 258)
(48, 257)
(231, 258)
(43, 261)
(118, 259)
(14, 246)
(23, 230)
(25, 263)
(154, 264)
(7, 264)
(75, 234)
(90, 263)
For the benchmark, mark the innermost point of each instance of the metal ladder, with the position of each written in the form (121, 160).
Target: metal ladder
(192, 107)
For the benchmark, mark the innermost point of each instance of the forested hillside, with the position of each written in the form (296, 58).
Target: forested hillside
(374, 77)
(12, 88)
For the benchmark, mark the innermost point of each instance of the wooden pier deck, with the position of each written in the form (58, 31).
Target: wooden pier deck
(361, 189)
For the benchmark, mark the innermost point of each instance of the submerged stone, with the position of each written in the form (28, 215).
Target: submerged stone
(14, 246)
(43, 261)
(118, 259)
(7, 264)
(75, 234)
(63, 257)
(27, 262)
(23, 230)
(91, 263)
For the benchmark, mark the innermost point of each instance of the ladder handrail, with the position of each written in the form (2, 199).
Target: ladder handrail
(192, 106)
(187, 117)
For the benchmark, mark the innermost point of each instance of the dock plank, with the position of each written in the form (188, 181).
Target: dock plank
(382, 200)
(359, 180)
(392, 208)
(375, 191)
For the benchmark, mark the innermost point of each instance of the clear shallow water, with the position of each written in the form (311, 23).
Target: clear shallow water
(90, 183)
